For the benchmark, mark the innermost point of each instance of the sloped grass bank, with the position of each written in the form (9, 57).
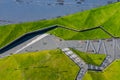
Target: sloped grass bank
(89, 58)
(43, 65)
(110, 73)
(106, 16)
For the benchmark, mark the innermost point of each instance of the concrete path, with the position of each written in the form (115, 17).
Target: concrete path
(94, 68)
(32, 42)
(27, 45)
(109, 47)
(107, 61)
(83, 66)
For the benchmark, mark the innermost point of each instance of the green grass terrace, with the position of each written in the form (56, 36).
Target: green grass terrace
(106, 16)
(42, 65)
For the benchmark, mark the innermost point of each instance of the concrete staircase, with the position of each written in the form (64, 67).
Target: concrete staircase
(83, 66)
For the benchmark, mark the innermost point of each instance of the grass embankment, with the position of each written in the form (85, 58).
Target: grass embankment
(44, 65)
(107, 16)
(110, 73)
(89, 58)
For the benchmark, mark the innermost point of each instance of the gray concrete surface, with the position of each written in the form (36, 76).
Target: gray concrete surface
(110, 47)
(83, 66)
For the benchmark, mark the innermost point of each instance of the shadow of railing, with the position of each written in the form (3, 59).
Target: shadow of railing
(24, 38)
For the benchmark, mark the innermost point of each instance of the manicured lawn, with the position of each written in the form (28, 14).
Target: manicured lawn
(89, 58)
(43, 65)
(110, 73)
(8, 33)
(107, 16)
(53, 64)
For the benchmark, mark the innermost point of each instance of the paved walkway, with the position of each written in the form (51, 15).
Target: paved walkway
(107, 61)
(109, 47)
(83, 66)
(32, 42)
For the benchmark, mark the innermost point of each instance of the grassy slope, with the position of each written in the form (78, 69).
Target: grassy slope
(21, 66)
(110, 73)
(44, 65)
(107, 16)
(95, 59)
(52, 65)
(9, 33)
